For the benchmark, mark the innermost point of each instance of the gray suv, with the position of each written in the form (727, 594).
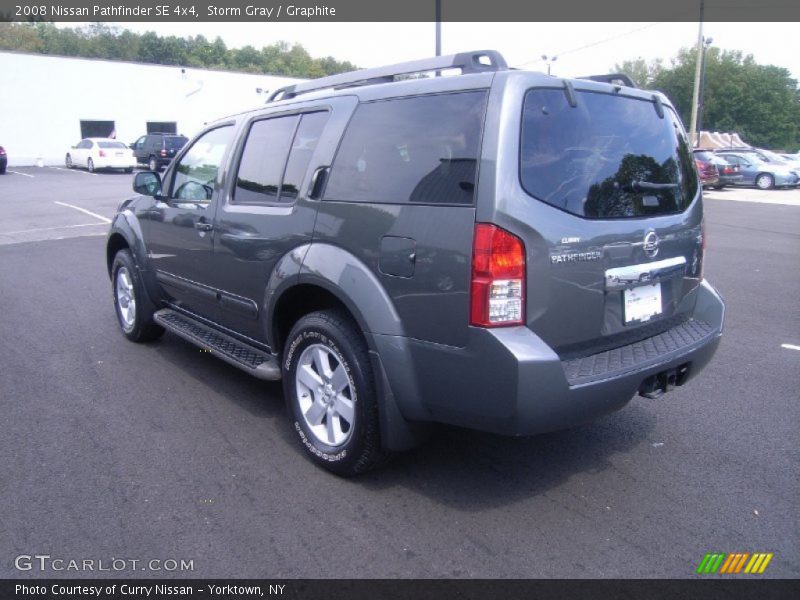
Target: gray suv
(500, 250)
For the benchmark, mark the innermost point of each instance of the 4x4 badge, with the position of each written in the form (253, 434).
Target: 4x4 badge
(651, 244)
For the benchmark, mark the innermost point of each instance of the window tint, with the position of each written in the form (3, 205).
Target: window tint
(197, 170)
(305, 141)
(422, 149)
(263, 160)
(596, 159)
(173, 142)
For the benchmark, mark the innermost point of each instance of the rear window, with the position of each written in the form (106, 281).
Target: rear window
(610, 156)
(422, 150)
(175, 142)
(111, 145)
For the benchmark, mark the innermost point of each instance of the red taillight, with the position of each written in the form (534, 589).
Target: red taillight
(163, 153)
(2, 151)
(102, 153)
(498, 278)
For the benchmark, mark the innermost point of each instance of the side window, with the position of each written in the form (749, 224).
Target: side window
(263, 160)
(305, 142)
(197, 170)
(422, 149)
(85, 144)
(138, 143)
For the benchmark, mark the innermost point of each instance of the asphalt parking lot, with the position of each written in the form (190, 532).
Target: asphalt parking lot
(159, 451)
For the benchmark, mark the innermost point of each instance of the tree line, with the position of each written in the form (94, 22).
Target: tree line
(102, 41)
(759, 102)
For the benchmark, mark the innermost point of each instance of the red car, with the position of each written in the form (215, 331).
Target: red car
(709, 175)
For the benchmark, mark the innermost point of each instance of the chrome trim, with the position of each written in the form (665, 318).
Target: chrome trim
(620, 278)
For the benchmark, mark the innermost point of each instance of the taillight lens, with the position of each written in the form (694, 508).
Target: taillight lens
(102, 153)
(163, 153)
(498, 278)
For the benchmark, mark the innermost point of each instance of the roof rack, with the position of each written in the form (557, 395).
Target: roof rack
(612, 78)
(476, 61)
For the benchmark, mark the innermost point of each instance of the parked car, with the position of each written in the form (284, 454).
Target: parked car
(157, 150)
(728, 174)
(764, 175)
(706, 168)
(100, 153)
(338, 238)
(3, 161)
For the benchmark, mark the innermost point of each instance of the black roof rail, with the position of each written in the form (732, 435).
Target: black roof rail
(612, 78)
(476, 61)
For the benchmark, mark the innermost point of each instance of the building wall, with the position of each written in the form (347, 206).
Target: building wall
(44, 98)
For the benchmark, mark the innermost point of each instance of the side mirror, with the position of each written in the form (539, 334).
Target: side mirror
(147, 183)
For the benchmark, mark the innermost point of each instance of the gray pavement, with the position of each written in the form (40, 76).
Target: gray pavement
(116, 450)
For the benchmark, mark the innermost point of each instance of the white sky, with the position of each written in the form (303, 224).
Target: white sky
(581, 48)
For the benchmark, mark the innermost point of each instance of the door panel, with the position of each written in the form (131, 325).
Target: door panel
(266, 212)
(178, 227)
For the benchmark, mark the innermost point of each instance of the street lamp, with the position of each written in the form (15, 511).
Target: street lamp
(700, 104)
(549, 60)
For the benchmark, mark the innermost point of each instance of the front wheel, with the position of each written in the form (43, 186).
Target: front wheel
(765, 181)
(330, 392)
(133, 308)
(90, 165)
(68, 162)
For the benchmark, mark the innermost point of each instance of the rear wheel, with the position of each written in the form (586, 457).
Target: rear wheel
(765, 181)
(133, 308)
(330, 391)
(90, 165)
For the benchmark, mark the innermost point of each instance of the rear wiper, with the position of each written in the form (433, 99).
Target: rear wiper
(638, 186)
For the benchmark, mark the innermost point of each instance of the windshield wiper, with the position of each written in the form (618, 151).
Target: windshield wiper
(638, 186)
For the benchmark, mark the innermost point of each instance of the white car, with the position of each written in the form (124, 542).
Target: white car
(100, 153)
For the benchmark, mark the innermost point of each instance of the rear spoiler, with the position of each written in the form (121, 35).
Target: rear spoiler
(612, 78)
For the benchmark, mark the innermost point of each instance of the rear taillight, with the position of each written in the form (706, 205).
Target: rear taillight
(163, 153)
(2, 151)
(498, 278)
(102, 153)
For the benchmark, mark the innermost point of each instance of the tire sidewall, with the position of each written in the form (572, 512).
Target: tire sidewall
(314, 330)
(90, 165)
(123, 259)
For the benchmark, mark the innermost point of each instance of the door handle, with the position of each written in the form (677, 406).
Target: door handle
(200, 226)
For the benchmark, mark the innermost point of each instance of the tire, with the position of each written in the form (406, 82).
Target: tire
(765, 181)
(90, 165)
(719, 187)
(129, 170)
(68, 162)
(330, 394)
(132, 306)
(152, 164)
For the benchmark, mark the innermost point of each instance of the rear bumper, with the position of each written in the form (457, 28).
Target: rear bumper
(115, 163)
(509, 381)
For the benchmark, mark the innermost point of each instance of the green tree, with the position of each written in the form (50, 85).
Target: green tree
(759, 102)
(107, 42)
(642, 72)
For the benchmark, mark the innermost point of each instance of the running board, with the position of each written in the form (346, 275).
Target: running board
(240, 354)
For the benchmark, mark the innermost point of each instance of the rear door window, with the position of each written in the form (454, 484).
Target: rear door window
(422, 149)
(263, 160)
(610, 156)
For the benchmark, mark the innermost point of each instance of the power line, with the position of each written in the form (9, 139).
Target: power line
(591, 45)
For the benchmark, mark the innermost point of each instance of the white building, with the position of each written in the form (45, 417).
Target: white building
(48, 103)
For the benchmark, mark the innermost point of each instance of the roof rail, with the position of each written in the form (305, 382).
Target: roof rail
(476, 61)
(612, 78)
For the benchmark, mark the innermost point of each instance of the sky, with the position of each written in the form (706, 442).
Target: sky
(580, 48)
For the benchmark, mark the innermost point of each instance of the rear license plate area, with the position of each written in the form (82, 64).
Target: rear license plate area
(642, 303)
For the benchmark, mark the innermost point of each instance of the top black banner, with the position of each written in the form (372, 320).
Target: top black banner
(392, 11)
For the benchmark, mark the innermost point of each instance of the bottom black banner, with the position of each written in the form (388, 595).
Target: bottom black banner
(382, 589)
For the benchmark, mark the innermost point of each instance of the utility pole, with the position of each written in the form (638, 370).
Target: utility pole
(438, 27)
(694, 135)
